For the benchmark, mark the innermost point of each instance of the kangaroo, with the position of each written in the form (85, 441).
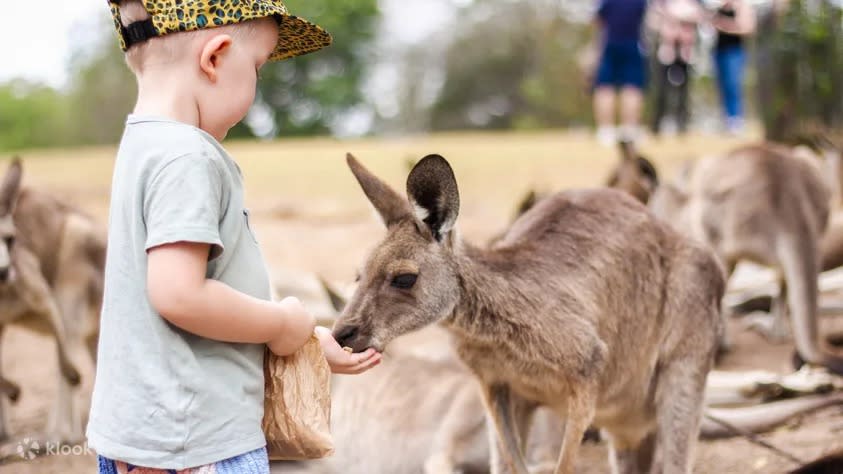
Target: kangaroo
(51, 262)
(761, 203)
(823, 149)
(831, 257)
(438, 427)
(589, 306)
(421, 412)
(634, 173)
(819, 153)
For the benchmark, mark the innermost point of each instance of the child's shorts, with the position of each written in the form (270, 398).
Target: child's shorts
(253, 462)
(622, 64)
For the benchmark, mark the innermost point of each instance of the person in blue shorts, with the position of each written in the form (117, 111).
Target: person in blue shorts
(621, 70)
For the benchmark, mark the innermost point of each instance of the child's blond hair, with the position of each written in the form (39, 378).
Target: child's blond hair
(166, 48)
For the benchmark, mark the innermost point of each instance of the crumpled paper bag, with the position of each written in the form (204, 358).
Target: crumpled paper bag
(297, 404)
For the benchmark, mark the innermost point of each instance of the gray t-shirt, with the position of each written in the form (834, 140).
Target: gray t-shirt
(163, 397)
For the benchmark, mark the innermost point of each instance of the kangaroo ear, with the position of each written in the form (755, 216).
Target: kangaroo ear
(338, 301)
(432, 189)
(389, 204)
(10, 188)
(648, 171)
(527, 202)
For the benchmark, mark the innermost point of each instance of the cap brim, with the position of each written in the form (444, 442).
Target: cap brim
(297, 36)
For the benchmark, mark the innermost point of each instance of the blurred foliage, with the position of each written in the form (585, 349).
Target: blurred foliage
(31, 115)
(306, 95)
(496, 64)
(513, 65)
(300, 96)
(102, 91)
(801, 49)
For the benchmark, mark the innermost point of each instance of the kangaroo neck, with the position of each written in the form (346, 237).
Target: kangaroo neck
(491, 300)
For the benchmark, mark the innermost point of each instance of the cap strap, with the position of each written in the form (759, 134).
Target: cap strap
(138, 32)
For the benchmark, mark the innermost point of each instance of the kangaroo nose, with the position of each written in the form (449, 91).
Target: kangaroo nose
(4, 274)
(345, 335)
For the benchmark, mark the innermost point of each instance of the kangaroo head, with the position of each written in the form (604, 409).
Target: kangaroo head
(409, 279)
(634, 173)
(9, 191)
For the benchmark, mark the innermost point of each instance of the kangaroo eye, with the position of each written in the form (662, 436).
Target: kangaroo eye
(404, 281)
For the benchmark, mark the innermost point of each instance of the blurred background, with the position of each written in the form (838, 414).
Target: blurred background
(407, 67)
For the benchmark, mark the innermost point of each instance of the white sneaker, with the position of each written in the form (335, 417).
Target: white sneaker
(735, 126)
(607, 136)
(630, 133)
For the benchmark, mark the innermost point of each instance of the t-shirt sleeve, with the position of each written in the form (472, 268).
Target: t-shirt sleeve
(183, 203)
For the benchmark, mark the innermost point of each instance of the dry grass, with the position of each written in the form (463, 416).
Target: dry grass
(303, 197)
(294, 184)
(314, 169)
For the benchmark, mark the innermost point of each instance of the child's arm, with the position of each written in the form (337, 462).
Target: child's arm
(179, 292)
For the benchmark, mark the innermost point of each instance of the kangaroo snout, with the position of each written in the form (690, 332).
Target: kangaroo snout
(351, 336)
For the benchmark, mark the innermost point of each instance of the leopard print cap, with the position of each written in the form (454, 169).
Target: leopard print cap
(296, 36)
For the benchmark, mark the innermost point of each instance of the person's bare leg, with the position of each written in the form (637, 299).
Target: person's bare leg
(632, 102)
(604, 113)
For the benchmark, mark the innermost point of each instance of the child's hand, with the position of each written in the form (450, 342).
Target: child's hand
(297, 329)
(343, 362)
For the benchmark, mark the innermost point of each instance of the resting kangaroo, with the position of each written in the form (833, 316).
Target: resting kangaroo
(588, 305)
(51, 261)
(761, 203)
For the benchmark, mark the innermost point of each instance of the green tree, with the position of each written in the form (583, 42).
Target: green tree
(102, 91)
(31, 115)
(305, 95)
(801, 53)
(513, 65)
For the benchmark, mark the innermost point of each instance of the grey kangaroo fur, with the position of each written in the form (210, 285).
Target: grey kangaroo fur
(51, 262)
(420, 412)
(634, 173)
(638, 176)
(831, 245)
(589, 305)
(766, 204)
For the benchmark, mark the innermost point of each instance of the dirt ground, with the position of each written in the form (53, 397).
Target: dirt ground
(310, 216)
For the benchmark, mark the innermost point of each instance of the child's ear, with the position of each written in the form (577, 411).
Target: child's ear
(211, 53)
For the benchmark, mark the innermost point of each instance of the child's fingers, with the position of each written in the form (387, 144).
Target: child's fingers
(366, 365)
(361, 357)
(362, 366)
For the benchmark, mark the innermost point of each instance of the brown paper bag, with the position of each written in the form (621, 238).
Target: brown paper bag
(297, 404)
